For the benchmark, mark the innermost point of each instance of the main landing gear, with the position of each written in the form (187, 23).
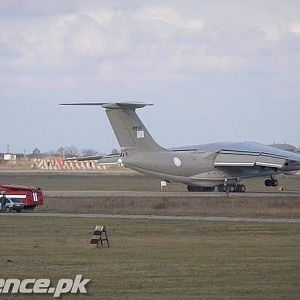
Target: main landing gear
(239, 188)
(192, 188)
(233, 188)
(271, 182)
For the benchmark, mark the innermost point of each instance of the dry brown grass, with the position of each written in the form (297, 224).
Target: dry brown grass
(288, 206)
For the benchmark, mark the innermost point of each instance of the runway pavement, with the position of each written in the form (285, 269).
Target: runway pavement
(156, 217)
(159, 194)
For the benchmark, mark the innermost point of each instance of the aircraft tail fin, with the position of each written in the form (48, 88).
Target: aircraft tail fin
(129, 130)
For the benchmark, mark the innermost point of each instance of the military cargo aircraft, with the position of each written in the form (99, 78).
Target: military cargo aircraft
(217, 166)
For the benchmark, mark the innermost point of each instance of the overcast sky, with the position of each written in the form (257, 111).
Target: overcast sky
(215, 70)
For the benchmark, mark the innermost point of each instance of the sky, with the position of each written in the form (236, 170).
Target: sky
(214, 70)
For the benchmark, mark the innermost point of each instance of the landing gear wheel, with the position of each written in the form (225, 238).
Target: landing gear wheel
(221, 188)
(268, 182)
(208, 189)
(232, 188)
(271, 182)
(192, 188)
(241, 188)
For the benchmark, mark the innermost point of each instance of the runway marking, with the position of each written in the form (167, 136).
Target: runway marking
(157, 217)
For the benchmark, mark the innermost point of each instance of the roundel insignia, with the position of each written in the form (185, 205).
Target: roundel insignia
(177, 161)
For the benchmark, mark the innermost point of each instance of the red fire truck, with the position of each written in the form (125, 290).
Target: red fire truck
(30, 196)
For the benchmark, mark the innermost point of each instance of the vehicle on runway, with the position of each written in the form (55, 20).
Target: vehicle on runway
(12, 205)
(31, 197)
(220, 166)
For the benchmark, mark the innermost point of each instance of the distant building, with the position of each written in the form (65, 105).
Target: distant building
(9, 157)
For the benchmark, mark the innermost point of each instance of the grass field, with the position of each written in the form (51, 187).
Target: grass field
(156, 259)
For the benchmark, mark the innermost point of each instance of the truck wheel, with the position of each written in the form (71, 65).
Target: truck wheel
(8, 210)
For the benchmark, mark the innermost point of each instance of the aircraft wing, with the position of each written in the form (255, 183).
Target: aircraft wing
(286, 147)
(248, 159)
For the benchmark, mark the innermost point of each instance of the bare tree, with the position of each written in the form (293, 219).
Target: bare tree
(115, 151)
(61, 152)
(71, 151)
(88, 152)
(36, 153)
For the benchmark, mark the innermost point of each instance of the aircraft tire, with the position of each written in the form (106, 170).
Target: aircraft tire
(271, 182)
(241, 188)
(222, 188)
(268, 182)
(192, 188)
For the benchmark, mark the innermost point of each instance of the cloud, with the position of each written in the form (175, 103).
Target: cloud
(90, 38)
(295, 28)
(146, 44)
(212, 55)
(279, 29)
(113, 42)
(196, 61)
(169, 16)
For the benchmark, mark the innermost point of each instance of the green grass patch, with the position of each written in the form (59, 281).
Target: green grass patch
(157, 259)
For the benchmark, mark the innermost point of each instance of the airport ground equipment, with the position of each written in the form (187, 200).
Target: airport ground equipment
(30, 196)
(99, 237)
(203, 168)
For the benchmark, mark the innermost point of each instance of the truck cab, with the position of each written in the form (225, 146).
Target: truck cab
(12, 205)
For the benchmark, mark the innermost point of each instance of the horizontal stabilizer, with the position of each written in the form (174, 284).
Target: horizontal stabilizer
(94, 157)
(84, 158)
(129, 130)
(112, 105)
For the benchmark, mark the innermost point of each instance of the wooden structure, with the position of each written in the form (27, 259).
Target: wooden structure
(99, 237)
